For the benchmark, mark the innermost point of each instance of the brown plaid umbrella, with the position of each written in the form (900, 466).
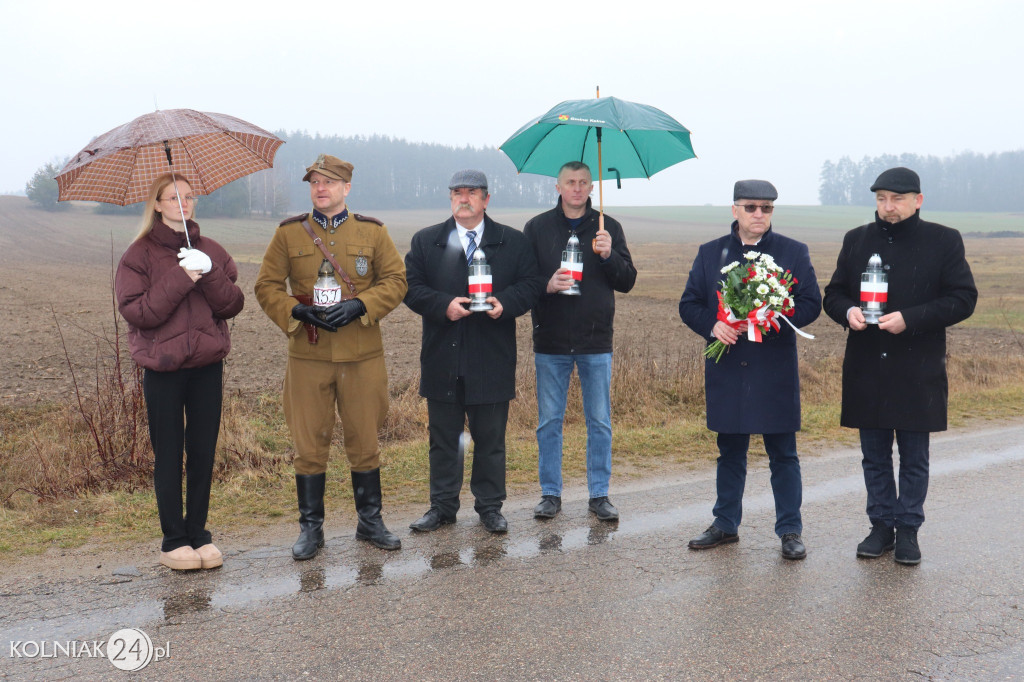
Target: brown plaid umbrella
(209, 150)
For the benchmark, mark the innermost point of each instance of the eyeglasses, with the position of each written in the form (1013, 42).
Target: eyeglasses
(185, 200)
(750, 208)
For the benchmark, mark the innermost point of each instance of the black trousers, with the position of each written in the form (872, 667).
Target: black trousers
(447, 463)
(184, 417)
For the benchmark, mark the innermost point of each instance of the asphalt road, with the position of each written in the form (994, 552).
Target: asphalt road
(575, 598)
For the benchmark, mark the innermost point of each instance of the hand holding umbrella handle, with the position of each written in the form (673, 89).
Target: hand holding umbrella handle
(194, 259)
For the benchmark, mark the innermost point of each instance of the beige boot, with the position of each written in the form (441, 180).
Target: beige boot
(211, 556)
(182, 559)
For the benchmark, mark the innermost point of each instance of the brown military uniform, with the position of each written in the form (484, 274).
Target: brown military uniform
(344, 370)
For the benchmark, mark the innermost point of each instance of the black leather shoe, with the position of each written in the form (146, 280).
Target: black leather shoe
(907, 551)
(793, 546)
(713, 537)
(603, 508)
(880, 540)
(432, 520)
(548, 507)
(494, 521)
(310, 491)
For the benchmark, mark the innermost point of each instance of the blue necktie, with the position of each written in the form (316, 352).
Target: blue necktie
(471, 247)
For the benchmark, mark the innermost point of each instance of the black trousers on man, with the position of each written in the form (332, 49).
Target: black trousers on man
(183, 407)
(447, 461)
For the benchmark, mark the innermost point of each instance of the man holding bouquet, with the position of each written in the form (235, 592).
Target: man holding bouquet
(754, 386)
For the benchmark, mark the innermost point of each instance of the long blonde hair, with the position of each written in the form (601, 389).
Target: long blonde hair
(149, 213)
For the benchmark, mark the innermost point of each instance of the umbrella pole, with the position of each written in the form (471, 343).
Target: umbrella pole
(177, 195)
(600, 175)
(600, 182)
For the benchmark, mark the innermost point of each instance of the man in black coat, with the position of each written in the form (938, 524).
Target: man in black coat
(468, 359)
(754, 387)
(894, 372)
(576, 330)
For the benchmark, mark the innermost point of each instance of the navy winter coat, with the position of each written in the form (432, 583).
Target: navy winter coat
(755, 387)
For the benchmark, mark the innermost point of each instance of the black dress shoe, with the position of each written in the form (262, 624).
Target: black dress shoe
(432, 520)
(603, 508)
(880, 540)
(793, 546)
(548, 507)
(494, 521)
(713, 537)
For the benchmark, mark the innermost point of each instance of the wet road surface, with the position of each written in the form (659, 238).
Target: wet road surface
(576, 598)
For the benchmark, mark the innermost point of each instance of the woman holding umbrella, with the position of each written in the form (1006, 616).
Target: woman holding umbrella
(176, 290)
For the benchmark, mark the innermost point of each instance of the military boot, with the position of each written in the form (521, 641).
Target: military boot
(366, 491)
(310, 490)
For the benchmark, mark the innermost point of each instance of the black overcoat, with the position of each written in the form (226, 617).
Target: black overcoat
(898, 381)
(481, 350)
(755, 387)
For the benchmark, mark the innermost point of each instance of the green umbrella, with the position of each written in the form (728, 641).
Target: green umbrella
(637, 140)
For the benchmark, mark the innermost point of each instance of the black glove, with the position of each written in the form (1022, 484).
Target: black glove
(310, 314)
(342, 313)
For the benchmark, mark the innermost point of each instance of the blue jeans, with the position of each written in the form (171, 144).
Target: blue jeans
(553, 372)
(732, 477)
(885, 506)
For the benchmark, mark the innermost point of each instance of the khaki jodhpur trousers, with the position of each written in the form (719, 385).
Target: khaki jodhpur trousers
(314, 390)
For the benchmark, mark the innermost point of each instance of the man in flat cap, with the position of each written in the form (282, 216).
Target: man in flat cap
(335, 353)
(755, 387)
(576, 331)
(468, 359)
(894, 371)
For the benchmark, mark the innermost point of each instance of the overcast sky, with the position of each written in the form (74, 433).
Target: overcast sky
(769, 89)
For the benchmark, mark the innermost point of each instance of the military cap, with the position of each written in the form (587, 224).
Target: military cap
(473, 179)
(754, 189)
(331, 167)
(900, 180)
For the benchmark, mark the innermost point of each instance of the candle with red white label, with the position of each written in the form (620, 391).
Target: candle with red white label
(479, 282)
(572, 260)
(874, 290)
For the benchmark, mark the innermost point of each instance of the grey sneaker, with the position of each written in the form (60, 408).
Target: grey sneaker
(548, 507)
(603, 508)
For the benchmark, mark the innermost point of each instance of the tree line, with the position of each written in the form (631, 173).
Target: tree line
(389, 173)
(965, 182)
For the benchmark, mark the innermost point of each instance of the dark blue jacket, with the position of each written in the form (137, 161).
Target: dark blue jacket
(477, 348)
(755, 387)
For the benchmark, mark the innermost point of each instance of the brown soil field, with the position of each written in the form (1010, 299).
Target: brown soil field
(56, 295)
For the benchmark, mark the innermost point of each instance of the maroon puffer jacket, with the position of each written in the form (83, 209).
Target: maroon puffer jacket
(173, 322)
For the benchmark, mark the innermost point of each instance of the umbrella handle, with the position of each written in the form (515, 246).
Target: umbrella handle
(618, 177)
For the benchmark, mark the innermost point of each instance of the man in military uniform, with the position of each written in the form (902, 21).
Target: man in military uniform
(335, 354)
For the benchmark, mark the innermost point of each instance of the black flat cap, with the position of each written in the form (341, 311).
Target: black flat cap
(754, 189)
(900, 180)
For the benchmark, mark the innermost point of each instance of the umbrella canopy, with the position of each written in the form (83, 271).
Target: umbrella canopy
(209, 150)
(638, 140)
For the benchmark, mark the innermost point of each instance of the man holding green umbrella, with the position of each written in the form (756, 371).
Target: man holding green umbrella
(576, 330)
